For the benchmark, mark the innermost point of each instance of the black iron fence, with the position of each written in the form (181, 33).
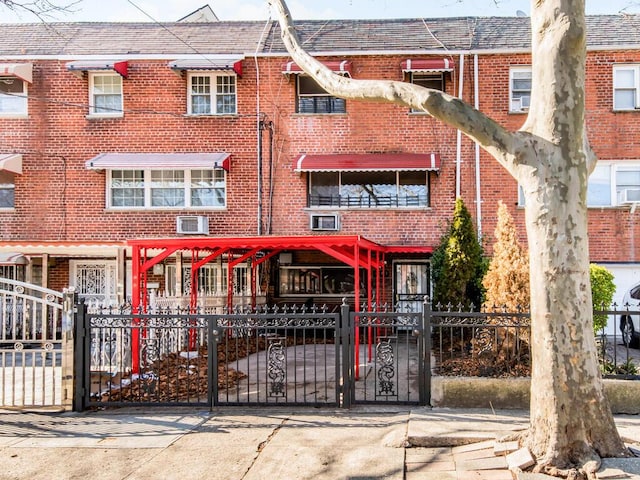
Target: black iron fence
(307, 356)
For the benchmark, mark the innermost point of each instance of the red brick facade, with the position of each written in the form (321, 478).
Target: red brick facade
(57, 199)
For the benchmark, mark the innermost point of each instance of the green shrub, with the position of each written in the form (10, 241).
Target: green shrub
(602, 291)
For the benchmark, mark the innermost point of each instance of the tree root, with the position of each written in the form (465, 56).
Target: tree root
(586, 472)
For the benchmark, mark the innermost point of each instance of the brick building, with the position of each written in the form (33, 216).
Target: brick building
(201, 155)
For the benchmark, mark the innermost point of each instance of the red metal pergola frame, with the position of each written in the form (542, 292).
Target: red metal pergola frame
(353, 250)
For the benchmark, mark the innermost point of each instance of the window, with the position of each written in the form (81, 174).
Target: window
(7, 190)
(13, 96)
(95, 280)
(434, 81)
(212, 94)
(166, 189)
(313, 99)
(105, 96)
(625, 87)
(301, 280)
(519, 89)
(611, 184)
(369, 189)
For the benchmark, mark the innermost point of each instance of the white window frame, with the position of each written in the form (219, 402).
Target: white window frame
(118, 110)
(613, 168)
(516, 105)
(20, 100)
(618, 87)
(146, 185)
(217, 91)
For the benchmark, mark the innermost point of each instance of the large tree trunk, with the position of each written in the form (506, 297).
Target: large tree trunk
(571, 422)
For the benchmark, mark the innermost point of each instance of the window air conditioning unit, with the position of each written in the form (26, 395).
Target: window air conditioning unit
(525, 103)
(192, 224)
(628, 196)
(325, 222)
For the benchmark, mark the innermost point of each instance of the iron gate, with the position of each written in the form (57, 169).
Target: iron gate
(388, 358)
(266, 356)
(31, 353)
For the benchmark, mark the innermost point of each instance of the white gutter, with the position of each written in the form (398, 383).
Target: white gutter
(476, 101)
(459, 136)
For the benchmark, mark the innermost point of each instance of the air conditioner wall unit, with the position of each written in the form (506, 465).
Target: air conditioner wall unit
(326, 222)
(628, 196)
(192, 224)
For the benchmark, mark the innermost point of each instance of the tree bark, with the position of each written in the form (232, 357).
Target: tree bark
(571, 423)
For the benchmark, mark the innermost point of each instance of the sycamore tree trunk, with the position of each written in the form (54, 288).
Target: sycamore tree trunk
(571, 425)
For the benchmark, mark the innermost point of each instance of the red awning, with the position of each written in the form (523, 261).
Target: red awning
(23, 71)
(384, 162)
(87, 65)
(428, 65)
(227, 63)
(337, 66)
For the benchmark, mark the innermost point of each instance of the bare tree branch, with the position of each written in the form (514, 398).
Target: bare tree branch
(43, 10)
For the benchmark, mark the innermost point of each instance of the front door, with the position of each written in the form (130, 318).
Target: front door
(411, 285)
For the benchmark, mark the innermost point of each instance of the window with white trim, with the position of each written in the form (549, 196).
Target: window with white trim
(369, 189)
(7, 190)
(211, 94)
(626, 91)
(166, 189)
(432, 80)
(13, 96)
(312, 98)
(612, 184)
(519, 89)
(105, 95)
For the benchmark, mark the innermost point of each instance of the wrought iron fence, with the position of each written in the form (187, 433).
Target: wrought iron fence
(279, 355)
(496, 343)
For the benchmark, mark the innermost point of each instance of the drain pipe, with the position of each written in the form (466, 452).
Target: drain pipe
(459, 138)
(477, 146)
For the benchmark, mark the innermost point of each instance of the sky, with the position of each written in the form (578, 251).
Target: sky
(171, 10)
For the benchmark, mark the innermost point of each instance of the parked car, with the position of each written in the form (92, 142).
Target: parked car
(630, 324)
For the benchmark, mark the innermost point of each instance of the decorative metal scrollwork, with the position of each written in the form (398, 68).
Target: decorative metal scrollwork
(18, 346)
(386, 370)
(276, 369)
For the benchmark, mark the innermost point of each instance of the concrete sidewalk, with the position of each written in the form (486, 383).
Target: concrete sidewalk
(251, 444)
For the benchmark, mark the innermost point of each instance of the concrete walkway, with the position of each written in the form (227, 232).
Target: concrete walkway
(251, 444)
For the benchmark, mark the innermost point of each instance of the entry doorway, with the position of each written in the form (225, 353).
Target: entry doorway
(411, 284)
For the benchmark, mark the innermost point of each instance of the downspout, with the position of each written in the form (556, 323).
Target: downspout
(476, 90)
(459, 135)
(259, 127)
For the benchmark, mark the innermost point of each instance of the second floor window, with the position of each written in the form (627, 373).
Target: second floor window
(166, 189)
(368, 189)
(13, 96)
(105, 95)
(312, 98)
(212, 94)
(611, 184)
(434, 81)
(519, 89)
(626, 89)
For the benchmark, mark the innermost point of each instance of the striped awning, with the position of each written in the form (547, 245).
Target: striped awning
(159, 161)
(90, 65)
(23, 71)
(336, 66)
(233, 63)
(428, 65)
(11, 162)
